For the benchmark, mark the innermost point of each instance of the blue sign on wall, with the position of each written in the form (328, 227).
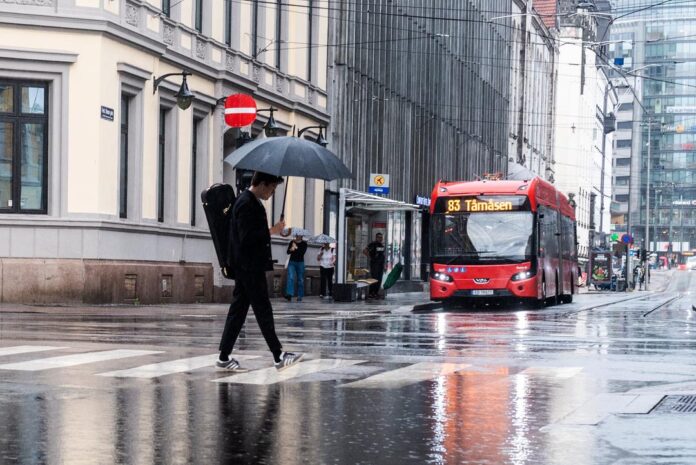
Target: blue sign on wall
(378, 190)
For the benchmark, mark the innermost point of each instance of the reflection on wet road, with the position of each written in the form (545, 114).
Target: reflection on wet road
(569, 384)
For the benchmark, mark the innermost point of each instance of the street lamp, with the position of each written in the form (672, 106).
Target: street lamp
(320, 138)
(271, 128)
(184, 97)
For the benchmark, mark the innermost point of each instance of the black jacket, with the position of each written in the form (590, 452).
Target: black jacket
(298, 254)
(250, 240)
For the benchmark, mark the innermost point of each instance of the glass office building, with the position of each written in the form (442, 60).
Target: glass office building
(662, 177)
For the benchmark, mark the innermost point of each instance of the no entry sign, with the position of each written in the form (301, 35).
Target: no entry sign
(240, 110)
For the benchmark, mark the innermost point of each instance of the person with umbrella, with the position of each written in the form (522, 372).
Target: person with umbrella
(250, 239)
(375, 251)
(327, 260)
(296, 266)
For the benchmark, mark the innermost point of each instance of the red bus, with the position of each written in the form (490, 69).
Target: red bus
(502, 239)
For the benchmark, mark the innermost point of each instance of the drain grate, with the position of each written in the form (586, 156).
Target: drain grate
(677, 404)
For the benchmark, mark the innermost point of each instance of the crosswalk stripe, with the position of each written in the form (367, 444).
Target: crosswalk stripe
(272, 376)
(25, 349)
(411, 374)
(76, 359)
(552, 372)
(155, 370)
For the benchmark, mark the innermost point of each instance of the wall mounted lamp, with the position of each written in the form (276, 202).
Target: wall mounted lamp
(320, 138)
(271, 128)
(184, 97)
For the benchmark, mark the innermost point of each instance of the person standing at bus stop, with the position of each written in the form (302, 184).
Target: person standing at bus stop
(375, 251)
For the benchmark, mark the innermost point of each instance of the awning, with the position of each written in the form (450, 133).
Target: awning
(365, 201)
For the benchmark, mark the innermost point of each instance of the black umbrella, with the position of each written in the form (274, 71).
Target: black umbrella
(289, 156)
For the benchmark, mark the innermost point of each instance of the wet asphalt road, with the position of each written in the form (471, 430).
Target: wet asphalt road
(585, 383)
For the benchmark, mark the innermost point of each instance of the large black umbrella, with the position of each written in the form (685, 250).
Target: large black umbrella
(289, 156)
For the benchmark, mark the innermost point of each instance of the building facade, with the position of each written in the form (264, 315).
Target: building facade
(659, 56)
(584, 125)
(533, 63)
(101, 174)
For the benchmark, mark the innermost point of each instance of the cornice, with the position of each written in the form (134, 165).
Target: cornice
(131, 37)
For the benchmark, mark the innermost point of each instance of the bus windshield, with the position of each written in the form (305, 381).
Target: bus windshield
(492, 237)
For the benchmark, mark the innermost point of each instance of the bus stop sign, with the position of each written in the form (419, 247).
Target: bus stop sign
(240, 110)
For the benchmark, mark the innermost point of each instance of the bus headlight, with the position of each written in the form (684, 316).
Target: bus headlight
(523, 275)
(443, 277)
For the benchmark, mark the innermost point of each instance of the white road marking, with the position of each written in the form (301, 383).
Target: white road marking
(76, 359)
(183, 365)
(26, 349)
(272, 376)
(408, 375)
(552, 372)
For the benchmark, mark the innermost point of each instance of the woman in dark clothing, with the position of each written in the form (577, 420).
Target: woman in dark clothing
(296, 268)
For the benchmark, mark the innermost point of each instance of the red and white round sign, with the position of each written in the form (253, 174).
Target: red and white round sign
(240, 110)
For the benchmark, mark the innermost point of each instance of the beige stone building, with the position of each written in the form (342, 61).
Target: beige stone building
(100, 174)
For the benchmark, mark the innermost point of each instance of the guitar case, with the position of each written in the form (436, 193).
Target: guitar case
(218, 201)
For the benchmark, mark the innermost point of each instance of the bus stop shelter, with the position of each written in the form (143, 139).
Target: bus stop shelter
(360, 217)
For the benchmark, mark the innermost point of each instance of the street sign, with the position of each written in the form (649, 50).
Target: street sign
(379, 183)
(240, 110)
(627, 239)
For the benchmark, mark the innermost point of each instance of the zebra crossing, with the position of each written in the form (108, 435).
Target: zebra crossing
(261, 374)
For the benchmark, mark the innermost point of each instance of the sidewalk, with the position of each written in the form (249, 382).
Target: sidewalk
(399, 303)
(659, 280)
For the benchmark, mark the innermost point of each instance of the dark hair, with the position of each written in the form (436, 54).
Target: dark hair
(265, 178)
(379, 234)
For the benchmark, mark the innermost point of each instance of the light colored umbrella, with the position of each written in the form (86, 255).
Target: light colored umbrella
(297, 232)
(322, 239)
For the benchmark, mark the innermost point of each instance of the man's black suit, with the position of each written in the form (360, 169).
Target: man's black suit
(251, 257)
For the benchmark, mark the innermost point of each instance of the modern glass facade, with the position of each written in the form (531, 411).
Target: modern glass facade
(664, 55)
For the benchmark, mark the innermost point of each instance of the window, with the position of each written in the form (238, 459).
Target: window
(255, 29)
(161, 163)
(279, 31)
(167, 8)
(623, 143)
(310, 32)
(625, 125)
(623, 161)
(199, 16)
(123, 163)
(228, 22)
(23, 147)
(621, 198)
(622, 180)
(194, 174)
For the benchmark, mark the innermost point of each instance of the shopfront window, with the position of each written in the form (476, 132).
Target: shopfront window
(23, 147)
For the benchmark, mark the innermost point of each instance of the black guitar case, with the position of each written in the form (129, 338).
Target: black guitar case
(218, 200)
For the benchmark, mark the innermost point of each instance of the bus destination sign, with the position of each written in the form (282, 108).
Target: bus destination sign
(482, 204)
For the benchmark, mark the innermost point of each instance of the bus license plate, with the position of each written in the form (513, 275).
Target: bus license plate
(483, 292)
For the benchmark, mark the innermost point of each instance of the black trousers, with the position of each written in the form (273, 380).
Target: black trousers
(376, 272)
(326, 279)
(250, 288)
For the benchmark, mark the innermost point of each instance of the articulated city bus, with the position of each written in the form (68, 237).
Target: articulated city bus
(502, 239)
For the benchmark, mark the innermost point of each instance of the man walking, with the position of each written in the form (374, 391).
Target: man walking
(375, 250)
(251, 257)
